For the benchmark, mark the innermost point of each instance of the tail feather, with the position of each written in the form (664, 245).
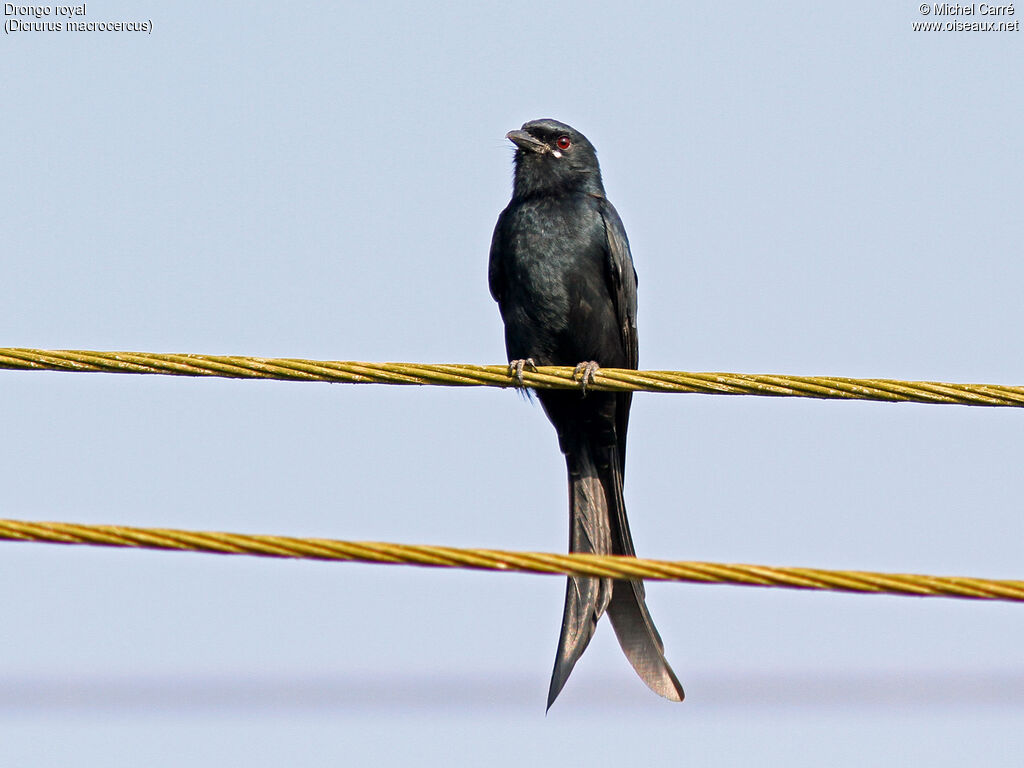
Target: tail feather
(598, 525)
(586, 598)
(640, 641)
(634, 627)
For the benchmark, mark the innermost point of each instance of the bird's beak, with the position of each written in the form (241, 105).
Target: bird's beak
(523, 140)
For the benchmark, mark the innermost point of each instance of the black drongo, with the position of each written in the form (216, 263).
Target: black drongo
(561, 272)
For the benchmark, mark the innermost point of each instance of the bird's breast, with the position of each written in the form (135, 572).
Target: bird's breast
(555, 293)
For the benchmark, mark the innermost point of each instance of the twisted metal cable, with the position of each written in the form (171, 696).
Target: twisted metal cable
(614, 566)
(550, 377)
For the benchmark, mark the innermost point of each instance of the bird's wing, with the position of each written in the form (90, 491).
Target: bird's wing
(622, 278)
(622, 286)
(495, 271)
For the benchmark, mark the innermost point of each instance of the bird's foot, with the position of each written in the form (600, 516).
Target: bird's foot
(584, 373)
(515, 369)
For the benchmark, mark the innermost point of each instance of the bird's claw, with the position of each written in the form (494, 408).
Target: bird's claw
(515, 369)
(584, 372)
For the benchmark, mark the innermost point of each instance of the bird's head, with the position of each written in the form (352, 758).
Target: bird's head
(551, 158)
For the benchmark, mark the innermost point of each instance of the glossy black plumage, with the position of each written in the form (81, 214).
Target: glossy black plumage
(562, 274)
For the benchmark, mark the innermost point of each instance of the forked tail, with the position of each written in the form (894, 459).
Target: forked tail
(598, 525)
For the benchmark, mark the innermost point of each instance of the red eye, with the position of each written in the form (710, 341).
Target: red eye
(563, 142)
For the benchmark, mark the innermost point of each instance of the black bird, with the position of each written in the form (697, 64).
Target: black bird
(562, 274)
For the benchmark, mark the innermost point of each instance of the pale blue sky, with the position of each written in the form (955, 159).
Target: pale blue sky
(812, 189)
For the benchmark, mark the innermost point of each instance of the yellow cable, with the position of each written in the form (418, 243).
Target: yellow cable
(608, 379)
(527, 562)
(497, 375)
